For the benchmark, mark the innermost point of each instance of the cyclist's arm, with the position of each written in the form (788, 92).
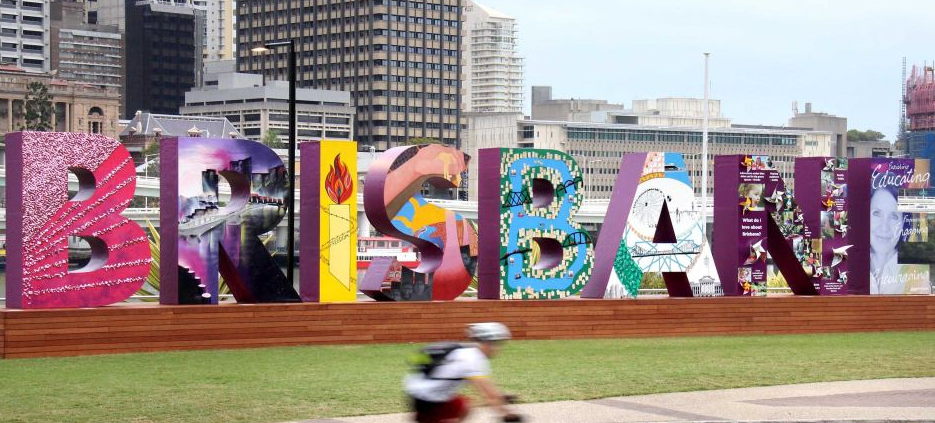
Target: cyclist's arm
(491, 393)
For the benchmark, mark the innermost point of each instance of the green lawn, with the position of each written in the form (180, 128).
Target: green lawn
(279, 384)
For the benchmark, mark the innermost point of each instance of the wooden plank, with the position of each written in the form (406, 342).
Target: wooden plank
(138, 328)
(2, 335)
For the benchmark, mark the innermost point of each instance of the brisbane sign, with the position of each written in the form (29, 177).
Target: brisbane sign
(839, 233)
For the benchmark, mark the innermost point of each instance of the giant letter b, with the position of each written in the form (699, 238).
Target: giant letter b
(41, 217)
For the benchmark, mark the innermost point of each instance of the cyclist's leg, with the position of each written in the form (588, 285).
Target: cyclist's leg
(452, 411)
(456, 410)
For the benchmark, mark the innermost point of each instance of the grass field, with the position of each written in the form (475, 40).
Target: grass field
(279, 384)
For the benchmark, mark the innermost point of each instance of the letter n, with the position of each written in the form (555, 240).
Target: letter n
(756, 213)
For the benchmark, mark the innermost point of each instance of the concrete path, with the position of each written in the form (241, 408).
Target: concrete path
(885, 400)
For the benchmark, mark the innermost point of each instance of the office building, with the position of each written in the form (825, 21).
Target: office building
(218, 29)
(163, 55)
(493, 69)
(599, 147)
(822, 122)
(544, 107)
(25, 34)
(882, 148)
(255, 109)
(669, 111)
(400, 60)
(81, 52)
(216, 22)
(78, 107)
(107, 12)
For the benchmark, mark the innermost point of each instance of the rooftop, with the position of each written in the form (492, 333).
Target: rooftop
(148, 124)
(741, 129)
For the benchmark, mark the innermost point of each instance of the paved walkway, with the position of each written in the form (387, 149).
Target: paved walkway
(884, 400)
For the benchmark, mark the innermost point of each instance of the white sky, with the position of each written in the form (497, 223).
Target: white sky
(843, 56)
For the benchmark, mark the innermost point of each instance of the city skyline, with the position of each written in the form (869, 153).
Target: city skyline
(844, 57)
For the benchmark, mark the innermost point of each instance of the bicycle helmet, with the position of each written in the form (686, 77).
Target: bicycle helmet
(488, 332)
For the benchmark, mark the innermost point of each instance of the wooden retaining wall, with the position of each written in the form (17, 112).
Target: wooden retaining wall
(139, 328)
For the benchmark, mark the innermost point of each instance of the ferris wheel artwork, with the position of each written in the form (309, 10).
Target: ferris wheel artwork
(664, 186)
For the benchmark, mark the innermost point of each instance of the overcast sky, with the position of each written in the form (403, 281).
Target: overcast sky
(843, 56)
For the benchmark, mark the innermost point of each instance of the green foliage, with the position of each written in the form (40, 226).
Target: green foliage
(38, 108)
(868, 135)
(151, 153)
(653, 281)
(272, 140)
(151, 287)
(299, 383)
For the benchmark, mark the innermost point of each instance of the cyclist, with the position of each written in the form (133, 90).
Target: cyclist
(434, 389)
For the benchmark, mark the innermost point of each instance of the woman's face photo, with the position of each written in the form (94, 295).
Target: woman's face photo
(885, 222)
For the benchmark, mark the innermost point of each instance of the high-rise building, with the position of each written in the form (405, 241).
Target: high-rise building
(400, 60)
(25, 34)
(216, 21)
(108, 12)
(163, 55)
(81, 52)
(218, 28)
(493, 69)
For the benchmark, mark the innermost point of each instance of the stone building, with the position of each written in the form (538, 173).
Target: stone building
(78, 107)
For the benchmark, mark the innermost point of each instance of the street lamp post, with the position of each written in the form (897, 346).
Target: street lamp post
(704, 153)
(588, 171)
(584, 169)
(290, 236)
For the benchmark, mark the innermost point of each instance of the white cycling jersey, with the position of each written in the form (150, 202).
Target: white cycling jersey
(446, 379)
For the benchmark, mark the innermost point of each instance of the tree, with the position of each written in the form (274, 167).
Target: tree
(868, 135)
(271, 139)
(151, 159)
(38, 108)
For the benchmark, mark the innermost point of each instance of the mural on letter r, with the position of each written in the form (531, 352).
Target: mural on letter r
(41, 217)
